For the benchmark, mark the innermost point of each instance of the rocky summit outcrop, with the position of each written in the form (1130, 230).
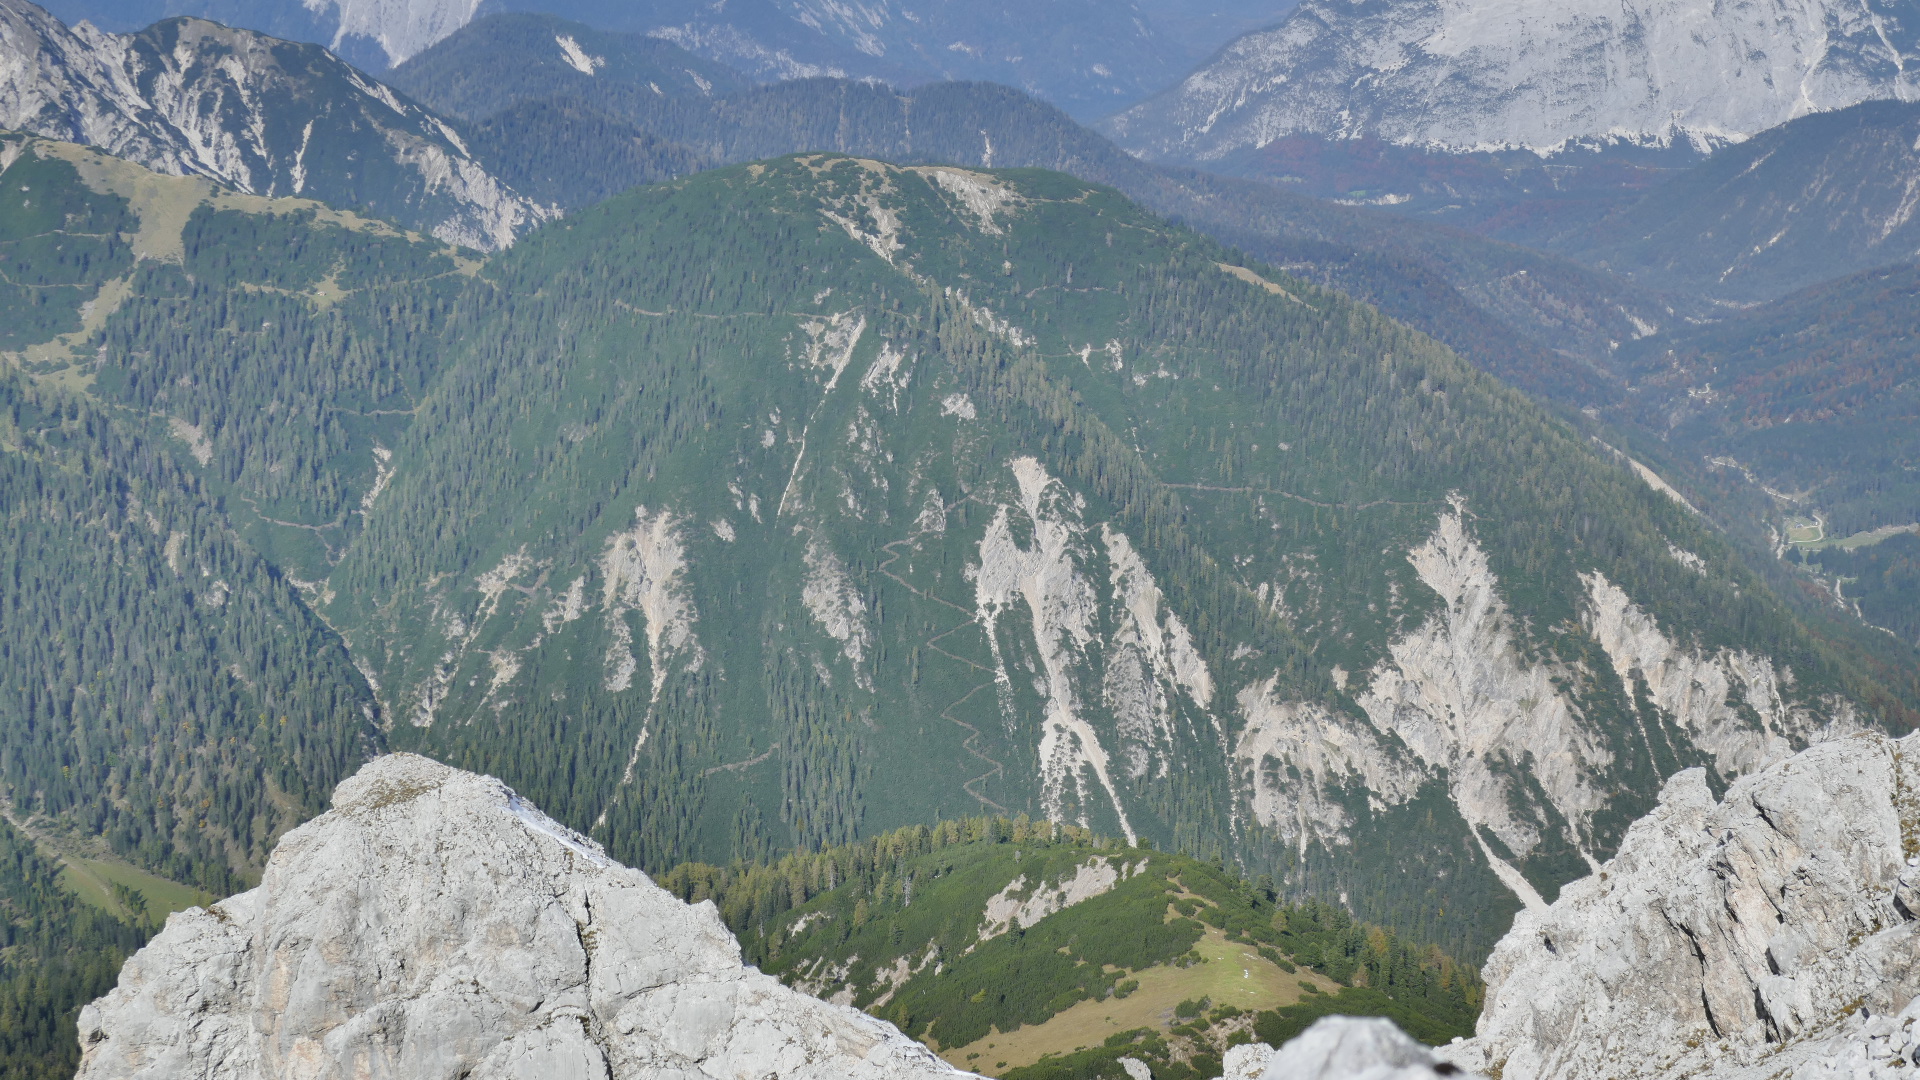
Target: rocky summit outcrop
(1340, 1048)
(1769, 935)
(433, 924)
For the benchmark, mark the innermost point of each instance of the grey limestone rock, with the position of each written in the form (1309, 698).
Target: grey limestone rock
(1340, 1048)
(1769, 934)
(434, 925)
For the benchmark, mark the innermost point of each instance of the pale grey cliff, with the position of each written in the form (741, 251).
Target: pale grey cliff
(256, 114)
(434, 925)
(1769, 935)
(1535, 74)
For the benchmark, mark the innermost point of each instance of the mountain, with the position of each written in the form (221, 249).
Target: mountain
(1542, 322)
(996, 558)
(434, 924)
(505, 60)
(1537, 76)
(1086, 56)
(259, 115)
(1032, 951)
(1816, 199)
(1769, 933)
(370, 34)
(1812, 396)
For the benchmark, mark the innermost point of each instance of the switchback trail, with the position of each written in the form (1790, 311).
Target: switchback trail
(996, 770)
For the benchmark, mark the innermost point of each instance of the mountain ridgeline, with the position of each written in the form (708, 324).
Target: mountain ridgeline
(800, 500)
(803, 499)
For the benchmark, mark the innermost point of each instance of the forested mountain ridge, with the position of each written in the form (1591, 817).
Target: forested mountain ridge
(935, 476)
(1810, 201)
(928, 490)
(256, 114)
(550, 57)
(1540, 321)
(1088, 57)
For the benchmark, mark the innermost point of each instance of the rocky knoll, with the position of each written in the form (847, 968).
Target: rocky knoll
(433, 924)
(1771, 934)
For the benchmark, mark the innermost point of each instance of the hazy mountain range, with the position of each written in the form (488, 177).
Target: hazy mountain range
(752, 469)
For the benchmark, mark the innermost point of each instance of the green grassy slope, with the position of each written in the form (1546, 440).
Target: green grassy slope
(925, 927)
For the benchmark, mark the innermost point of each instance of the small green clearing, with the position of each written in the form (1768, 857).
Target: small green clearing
(92, 880)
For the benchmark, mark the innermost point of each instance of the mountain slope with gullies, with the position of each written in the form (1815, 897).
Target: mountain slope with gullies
(187, 97)
(1807, 202)
(433, 924)
(1539, 321)
(800, 500)
(929, 490)
(1540, 76)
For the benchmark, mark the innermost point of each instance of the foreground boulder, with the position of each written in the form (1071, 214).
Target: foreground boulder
(1340, 1048)
(1768, 935)
(434, 925)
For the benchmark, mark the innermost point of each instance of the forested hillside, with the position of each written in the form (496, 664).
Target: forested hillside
(1540, 322)
(552, 57)
(1003, 942)
(169, 472)
(988, 490)
(794, 502)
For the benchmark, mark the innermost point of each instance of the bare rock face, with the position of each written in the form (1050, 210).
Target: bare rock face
(1770, 934)
(1541, 75)
(1340, 1048)
(187, 97)
(434, 925)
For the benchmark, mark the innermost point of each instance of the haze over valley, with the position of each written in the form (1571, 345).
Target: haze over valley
(1148, 542)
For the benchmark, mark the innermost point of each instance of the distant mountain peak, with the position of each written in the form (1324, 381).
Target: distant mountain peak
(1540, 75)
(188, 97)
(401, 28)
